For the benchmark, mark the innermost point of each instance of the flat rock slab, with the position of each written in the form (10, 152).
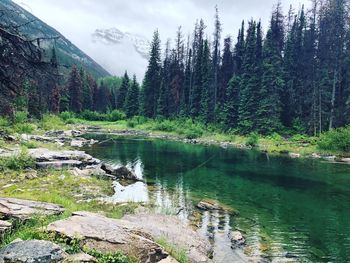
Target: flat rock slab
(174, 232)
(109, 235)
(81, 257)
(45, 155)
(32, 251)
(25, 209)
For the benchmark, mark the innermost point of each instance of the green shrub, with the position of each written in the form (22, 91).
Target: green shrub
(51, 122)
(252, 139)
(114, 115)
(17, 162)
(66, 115)
(21, 117)
(335, 140)
(26, 128)
(3, 122)
(117, 257)
(165, 125)
(192, 133)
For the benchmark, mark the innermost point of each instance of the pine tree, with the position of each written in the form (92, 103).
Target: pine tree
(185, 101)
(74, 87)
(123, 91)
(249, 83)
(55, 99)
(214, 92)
(102, 103)
(226, 71)
(232, 102)
(132, 99)
(152, 80)
(206, 113)
(269, 107)
(163, 100)
(196, 92)
(34, 110)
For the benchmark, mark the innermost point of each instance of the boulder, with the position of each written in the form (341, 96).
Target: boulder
(61, 159)
(346, 160)
(32, 251)
(30, 174)
(237, 239)
(294, 155)
(109, 235)
(5, 227)
(122, 172)
(89, 171)
(25, 209)
(175, 232)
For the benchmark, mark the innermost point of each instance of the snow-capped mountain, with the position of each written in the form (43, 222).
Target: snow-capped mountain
(114, 36)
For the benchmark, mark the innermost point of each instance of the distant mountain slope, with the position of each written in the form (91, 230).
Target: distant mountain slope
(114, 36)
(32, 28)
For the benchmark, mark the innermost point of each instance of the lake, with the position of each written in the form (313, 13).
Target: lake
(289, 209)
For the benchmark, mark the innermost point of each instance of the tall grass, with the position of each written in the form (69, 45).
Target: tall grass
(335, 140)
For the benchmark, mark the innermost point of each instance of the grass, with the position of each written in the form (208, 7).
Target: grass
(17, 162)
(179, 254)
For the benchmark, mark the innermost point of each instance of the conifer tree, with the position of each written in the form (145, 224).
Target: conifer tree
(206, 113)
(249, 83)
(152, 80)
(74, 87)
(34, 110)
(269, 107)
(196, 93)
(123, 91)
(55, 99)
(226, 71)
(132, 99)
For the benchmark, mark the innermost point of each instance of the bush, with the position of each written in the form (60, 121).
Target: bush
(21, 117)
(17, 162)
(252, 140)
(114, 115)
(335, 140)
(165, 125)
(26, 128)
(66, 115)
(51, 122)
(4, 122)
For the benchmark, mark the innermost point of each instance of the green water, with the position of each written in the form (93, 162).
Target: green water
(295, 209)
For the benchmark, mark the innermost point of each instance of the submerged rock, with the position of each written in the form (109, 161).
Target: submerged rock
(237, 239)
(213, 205)
(25, 209)
(121, 173)
(32, 251)
(109, 235)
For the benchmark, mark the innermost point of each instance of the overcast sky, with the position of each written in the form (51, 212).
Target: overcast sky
(78, 19)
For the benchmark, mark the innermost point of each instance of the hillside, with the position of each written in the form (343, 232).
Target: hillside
(32, 27)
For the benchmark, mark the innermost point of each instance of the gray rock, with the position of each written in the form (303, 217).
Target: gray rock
(32, 251)
(237, 239)
(109, 235)
(61, 159)
(25, 209)
(5, 227)
(31, 174)
(213, 205)
(122, 173)
(175, 232)
(346, 160)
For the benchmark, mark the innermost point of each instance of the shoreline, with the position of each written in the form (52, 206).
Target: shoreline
(339, 158)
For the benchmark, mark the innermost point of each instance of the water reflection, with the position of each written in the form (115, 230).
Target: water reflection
(290, 210)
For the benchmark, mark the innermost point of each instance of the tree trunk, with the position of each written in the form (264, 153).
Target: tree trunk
(331, 119)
